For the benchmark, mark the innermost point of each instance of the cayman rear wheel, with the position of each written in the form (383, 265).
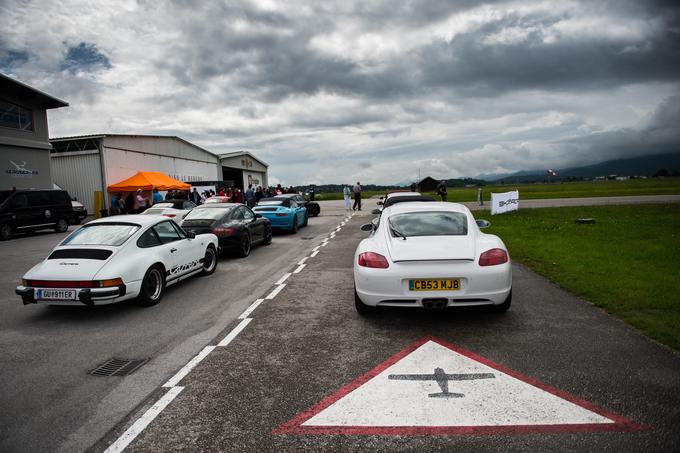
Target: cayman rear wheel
(209, 261)
(153, 286)
(295, 224)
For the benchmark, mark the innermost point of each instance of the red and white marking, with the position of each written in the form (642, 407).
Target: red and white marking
(508, 403)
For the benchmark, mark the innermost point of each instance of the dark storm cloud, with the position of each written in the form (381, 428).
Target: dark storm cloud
(661, 135)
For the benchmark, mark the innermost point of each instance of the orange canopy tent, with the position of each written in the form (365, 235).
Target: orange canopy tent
(148, 180)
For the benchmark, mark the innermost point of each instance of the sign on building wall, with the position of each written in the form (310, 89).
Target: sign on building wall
(20, 169)
(504, 202)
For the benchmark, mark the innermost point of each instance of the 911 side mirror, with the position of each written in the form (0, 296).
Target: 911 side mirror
(367, 227)
(191, 235)
(375, 212)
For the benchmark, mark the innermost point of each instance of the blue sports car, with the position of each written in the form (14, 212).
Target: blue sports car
(283, 212)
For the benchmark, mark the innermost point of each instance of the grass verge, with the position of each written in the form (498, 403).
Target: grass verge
(628, 262)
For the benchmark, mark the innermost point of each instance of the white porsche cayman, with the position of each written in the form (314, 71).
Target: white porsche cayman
(432, 255)
(118, 258)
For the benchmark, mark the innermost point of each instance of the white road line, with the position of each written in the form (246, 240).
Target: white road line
(188, 367)
(299, 268)
(143, 421)
(323, 244)
(235, 331)
(302, 261)
(275, 291)
(283, 279)
(250, 309)
(314, 254)
(315, 249)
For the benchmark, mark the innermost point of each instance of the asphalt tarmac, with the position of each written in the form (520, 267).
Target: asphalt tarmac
(259, 379)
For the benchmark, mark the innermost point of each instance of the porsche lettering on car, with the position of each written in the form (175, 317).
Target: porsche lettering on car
(119, 258)
(432, 255)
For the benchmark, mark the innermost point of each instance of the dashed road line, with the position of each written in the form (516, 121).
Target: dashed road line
(314, 254)
(142, 422)
(315, 249)
(250, 309)
(235, 331)
(275, 291)
(283, 279)
(173, 381)
(299, 268)
(302, 261)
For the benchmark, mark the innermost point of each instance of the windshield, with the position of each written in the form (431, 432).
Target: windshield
(164, 205)
(102, 234)
(270, 202)
(207, 213)
(428, 224)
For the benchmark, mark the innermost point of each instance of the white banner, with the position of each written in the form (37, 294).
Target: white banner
(504, 202)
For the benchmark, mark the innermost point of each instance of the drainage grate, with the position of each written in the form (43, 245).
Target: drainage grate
(118, 367)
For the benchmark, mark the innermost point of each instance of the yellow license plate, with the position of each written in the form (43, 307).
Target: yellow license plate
(434, 284)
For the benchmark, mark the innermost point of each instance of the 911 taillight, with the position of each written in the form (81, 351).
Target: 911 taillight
(493, 257)
(223, 232)
(374, 260)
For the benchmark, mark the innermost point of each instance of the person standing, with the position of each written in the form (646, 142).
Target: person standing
(170, 194)
(130, 203)
(115, 205)
(347, 195)
(441, 190)
(238, 196)
(195, 197)
(157, 197)
(140, 202)
(357, 196)
(250, 196)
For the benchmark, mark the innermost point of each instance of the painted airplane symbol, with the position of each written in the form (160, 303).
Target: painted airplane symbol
(442, 380)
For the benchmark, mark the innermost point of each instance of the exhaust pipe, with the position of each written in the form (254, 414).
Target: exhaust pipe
(434, 304)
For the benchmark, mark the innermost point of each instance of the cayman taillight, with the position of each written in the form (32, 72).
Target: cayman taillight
(374, 260)
(281, 214)
(493, 257)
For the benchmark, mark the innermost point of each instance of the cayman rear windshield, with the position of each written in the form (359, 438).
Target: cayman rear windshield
(439, 223)
(102, 234)
(271, 202)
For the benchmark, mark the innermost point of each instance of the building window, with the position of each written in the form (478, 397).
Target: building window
(16, 117)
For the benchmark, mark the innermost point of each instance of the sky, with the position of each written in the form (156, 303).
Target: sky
(377, 91)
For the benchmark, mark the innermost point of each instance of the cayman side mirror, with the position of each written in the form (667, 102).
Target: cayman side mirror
(481, 223)
(367, 227)
(375, 212)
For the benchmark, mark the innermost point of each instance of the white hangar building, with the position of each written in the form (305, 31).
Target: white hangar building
(86, 164)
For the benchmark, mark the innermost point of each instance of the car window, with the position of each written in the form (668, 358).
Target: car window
(238, 214)
(428, 224)
(38, 198)
(179, 230)
(188, 205)
(248, 214)
(164, 205)
(148, 239)
(20, 201)
(101, 234)
(166, 232)
(270, 202)
(59, 197)
(293, 204)
(207, 213)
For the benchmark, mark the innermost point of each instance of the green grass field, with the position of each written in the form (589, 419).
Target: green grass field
(628, 262)
(577, 189)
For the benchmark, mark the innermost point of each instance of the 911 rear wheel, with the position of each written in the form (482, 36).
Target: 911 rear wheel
(209, 261)
(153, 287)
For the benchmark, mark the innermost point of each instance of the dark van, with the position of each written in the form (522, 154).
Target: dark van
(26, 211)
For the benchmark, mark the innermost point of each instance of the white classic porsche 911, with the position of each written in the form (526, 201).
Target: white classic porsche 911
(432, 255)
(118, 258)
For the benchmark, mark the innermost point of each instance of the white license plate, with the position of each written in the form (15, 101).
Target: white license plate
(56, 294)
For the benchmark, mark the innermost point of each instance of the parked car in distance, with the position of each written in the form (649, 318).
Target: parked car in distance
(30, 210)
(283, 212)
(236, 226)
(79, 211)
(217, 199)
(174, 209)
(432, 255)
(119, 258)
(313, 208)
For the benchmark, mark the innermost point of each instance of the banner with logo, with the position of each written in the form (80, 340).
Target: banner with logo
(504, 202)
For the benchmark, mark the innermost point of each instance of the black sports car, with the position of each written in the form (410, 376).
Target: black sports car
(313, 208)
(236, 226)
